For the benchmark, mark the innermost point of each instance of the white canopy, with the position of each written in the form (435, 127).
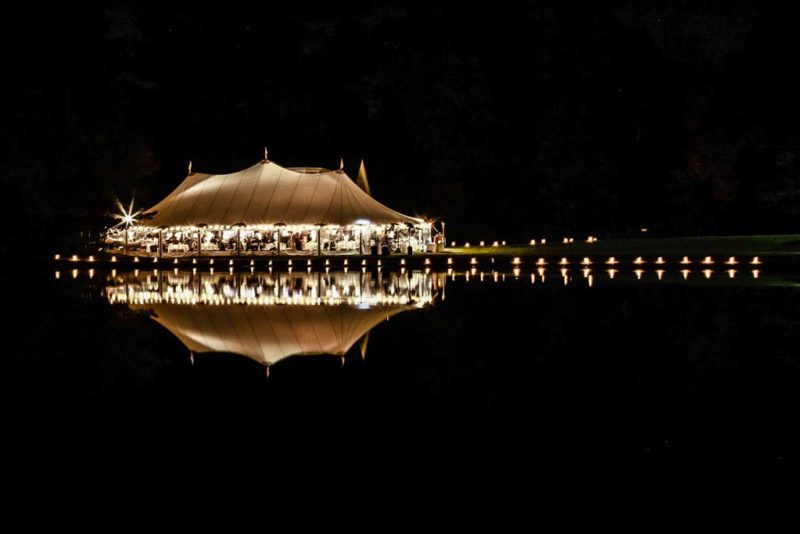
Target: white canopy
(267, 334)
(268, 194)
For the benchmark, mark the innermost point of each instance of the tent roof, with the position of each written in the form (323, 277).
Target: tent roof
(268, 334)
(267, 194)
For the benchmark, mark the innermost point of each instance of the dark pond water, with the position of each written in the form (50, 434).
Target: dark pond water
(646, 402)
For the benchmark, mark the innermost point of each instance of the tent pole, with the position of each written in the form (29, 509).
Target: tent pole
(160, 242)
(319, 241)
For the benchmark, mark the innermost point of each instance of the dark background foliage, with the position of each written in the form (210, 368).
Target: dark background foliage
(507, 121)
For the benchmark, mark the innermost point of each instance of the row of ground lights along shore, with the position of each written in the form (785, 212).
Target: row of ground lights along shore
(708, 260)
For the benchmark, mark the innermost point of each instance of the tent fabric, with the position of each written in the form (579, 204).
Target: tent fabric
(268, 194)
(270, 333)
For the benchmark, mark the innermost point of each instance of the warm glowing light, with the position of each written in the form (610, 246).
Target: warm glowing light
(533, 242)
(449, 261)
(587, 261)
(544, 241)
(74, 273)
(483, 243)
(427, 261)
(533, 278)
(452, 243)
(708, 260)
(565, 240)
(591, 280)
(516, 272)
(58, 275)
(136, 259)
(707, 273)
(685, 260)
(563, 261)
(612, 273)
(540, 261)
(612, 260)
(516, 261)
(466, 245)
(495, 244)
(57, 256)
(496, 276)
(731, 273)
(685, 273)
(540, 271)
(643, 230)
(731, 261)
(660, 274)
(345, 262)
(473, 261)
(586, 272)
(126, 216)
(504, 243)
(194, 261)
(638, 273)
(211, 261)
(638, 260)
(290, 262)
(755, 273)
(74, 257)
(230, 262)
(755, 261)
(155, 260)
(660, 261)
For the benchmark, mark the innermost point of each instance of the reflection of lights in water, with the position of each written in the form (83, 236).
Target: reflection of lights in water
(495, 276)
(533, 278)
(136, 272)
(612, 260)
(58, 275)
(516, 272)
(612, 273)
(74, 273)
(638, 273)
(566, 279)
(473, 270)
(91, 273)
(481, 276)
(660, 273)
(564, 271)
(113, 272)
(707, 273)
(755, 273)
(685, 260)
(586, 272)
(731, 273)
(685, 273)
(466, 276)
(540, 271)
(591, 280)
(503, 277)
(660, 261)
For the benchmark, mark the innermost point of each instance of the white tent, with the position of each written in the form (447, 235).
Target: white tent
(267, 194)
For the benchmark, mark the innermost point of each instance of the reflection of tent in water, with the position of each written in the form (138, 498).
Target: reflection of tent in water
(268, 317)
(267, 334)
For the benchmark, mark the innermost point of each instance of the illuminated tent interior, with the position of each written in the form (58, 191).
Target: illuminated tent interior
(269, 208)
(268, 334)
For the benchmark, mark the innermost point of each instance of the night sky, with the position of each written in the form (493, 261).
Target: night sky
(509, 122)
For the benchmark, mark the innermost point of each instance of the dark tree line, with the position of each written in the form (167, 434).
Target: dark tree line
(507, 121)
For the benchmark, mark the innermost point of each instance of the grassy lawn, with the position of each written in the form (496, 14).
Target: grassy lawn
(752, 245)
